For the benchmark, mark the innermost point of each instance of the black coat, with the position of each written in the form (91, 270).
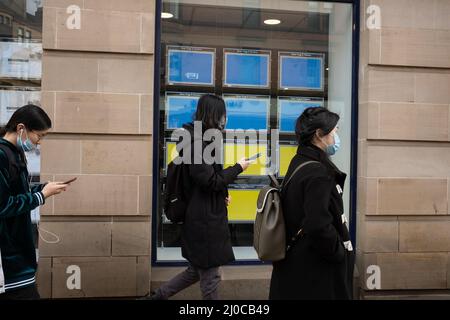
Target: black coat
(205, 236)
(318, 266)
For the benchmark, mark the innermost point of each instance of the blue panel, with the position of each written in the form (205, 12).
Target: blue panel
(290, 110)
(190, 67)
(247, 114)
(179, 110)
(247, 70)
(301, 72)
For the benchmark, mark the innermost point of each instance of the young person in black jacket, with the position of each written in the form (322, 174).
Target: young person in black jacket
(319, 264)
(24, 131)
(205, 236)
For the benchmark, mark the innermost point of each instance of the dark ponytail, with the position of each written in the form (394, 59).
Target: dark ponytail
(311, 120)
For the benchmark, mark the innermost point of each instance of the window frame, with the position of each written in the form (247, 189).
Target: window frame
(354, 132)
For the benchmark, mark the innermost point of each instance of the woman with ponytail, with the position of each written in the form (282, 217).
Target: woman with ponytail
(23, 132)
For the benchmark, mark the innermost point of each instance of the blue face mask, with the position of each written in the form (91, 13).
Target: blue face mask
(27, 145)
(333, 148)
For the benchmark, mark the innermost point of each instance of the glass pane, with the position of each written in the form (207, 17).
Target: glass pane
(270, 60)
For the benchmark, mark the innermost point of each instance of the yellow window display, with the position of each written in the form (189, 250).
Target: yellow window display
(235, 152)
(243, 205)
(285, 155)
(171, 152)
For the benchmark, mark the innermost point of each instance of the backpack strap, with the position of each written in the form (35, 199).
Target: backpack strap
(299, 233)
(286, 182)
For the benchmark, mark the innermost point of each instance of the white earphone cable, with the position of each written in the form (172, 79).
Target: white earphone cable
(50, 233)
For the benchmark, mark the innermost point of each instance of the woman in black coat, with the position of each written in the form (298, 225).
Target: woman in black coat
(205, 236)
(319, 264)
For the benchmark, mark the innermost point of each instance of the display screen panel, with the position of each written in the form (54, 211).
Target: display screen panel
(247, 112)
(246, 68)
(180, 109)
(190, 66)
(301, 71)
(243, 205)
(233, 152)
(290, 108)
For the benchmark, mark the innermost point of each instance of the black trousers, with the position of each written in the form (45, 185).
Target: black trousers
(26, 293)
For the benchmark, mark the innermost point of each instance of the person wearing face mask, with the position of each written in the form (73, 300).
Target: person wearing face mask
(205, 234)
(23, 133)
(319, 262)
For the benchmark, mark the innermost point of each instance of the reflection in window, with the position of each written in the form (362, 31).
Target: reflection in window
(20, 33)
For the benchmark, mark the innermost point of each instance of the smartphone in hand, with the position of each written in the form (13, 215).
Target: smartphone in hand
(256, 156)
(70, 181)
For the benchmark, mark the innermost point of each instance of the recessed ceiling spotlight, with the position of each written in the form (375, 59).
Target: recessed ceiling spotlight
(272, 22)
(166, 15)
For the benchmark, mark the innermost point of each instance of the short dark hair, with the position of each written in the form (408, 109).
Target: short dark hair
(210, 111)
(33, 117)
(311, 120)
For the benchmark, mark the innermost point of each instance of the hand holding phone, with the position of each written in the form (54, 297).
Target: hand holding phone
(256, 156)
(70, 181)
(53, 188)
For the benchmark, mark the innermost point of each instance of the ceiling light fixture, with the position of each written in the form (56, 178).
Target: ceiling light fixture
(272, 22)
(166, 15)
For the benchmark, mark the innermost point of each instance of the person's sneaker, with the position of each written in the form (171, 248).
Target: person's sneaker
(147, 297)
(154, 295)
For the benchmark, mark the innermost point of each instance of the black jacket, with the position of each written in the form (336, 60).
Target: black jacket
(17, 199)
(320, 264)
(205, 236)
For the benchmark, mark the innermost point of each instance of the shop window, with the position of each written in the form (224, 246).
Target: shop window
(269, 60)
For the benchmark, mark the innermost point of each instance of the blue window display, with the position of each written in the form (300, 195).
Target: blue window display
(301, 72)
(246, 70)
(180, 109)
(290, 109)
(244, 113)
(190, 67)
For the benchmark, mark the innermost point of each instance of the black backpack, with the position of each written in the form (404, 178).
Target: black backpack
(14, 168)
(177, 192)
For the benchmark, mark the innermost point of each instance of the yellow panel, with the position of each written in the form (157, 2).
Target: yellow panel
(286, 155)
(235, 152)
(171, 152)
(243, 205)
